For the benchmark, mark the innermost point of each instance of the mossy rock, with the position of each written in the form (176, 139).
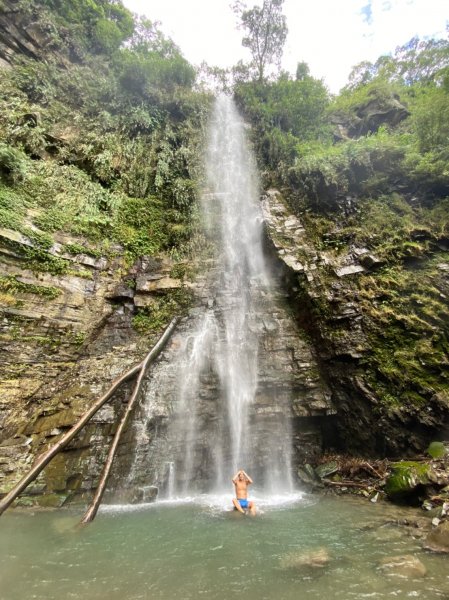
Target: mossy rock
(406, 478)
(327, 469)
(51, 500)
(436, 450)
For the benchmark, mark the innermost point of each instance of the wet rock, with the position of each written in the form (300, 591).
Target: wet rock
(313, 559)
(307, 475)
(438, 539)
(327, 469)
(349, 270)
(406, 566)
(132, 495)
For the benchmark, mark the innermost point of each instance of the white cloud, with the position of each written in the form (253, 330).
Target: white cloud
(330, 35)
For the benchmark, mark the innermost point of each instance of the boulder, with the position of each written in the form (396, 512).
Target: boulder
(377, 112)
(308, 476)
(368, 117)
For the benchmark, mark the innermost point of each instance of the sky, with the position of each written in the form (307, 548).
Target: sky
(331, 36)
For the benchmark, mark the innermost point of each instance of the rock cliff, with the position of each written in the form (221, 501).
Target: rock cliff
(331, 306)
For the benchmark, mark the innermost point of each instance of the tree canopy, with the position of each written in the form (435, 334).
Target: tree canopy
(266, 32)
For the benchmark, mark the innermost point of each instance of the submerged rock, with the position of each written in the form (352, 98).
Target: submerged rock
(315, 559)
(406, 566)
(438, 539)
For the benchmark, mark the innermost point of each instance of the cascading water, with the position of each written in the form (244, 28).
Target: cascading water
(228, 410)
(232, 211)
(225, 345)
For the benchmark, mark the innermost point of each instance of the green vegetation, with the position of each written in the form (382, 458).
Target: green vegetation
(105, 148)
(285, 114)
(101, 141)
(405, 478)
(436, 450)
(13, 285)
(266, 32)
(161, 310)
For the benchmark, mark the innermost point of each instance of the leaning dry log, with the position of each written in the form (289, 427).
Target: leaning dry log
(46, 457)
(93, 508)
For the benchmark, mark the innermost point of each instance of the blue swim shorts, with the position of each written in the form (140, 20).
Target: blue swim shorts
(243, 502)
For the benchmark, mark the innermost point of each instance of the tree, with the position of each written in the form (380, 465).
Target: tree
(266, 30)
(302, 71)
(416, 62)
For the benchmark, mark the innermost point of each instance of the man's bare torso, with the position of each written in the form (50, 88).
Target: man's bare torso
(241, 489)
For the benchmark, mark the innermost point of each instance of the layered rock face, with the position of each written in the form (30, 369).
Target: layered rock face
(330, 307)
(17, 35)
(64, 339)
(369, 117)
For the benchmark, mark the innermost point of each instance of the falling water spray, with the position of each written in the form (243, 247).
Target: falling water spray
(221, 419)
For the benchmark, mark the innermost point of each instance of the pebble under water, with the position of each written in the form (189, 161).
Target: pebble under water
(201, 549)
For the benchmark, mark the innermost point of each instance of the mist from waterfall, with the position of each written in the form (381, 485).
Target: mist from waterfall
(223, 348)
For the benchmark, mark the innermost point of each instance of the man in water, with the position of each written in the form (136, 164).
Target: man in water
(241, 503)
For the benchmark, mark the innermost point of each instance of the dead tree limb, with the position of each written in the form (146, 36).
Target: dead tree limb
(46, 457)
(372, 470)
(93, 508)
(347, 484)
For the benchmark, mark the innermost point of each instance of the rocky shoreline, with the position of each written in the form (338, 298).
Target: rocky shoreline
(422, 484)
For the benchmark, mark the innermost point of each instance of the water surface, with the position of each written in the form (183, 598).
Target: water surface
(202, 550)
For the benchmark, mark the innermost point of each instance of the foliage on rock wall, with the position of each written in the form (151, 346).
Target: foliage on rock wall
(104, 146)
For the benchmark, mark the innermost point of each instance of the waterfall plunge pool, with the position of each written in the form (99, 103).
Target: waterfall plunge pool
(198, 549)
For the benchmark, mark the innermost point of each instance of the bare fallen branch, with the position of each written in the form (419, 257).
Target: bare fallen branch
(347, 484)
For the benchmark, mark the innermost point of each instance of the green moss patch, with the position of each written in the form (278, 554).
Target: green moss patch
(405, 478)
(14, 286)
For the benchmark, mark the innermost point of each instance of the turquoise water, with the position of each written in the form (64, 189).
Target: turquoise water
(202, 550)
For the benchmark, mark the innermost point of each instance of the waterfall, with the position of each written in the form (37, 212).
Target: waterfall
(231, 210)
(171, 480)
(222, 400)
(224, 346)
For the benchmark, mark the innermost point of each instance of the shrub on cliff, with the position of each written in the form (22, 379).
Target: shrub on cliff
(284, 112)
